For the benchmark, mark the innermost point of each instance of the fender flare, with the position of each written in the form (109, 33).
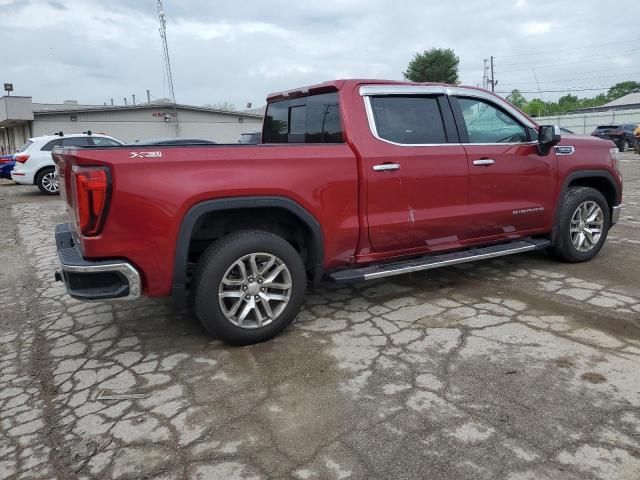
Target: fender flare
(179, 292)
(602, 174)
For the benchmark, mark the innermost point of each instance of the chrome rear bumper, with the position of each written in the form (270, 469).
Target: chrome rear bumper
(91, 279)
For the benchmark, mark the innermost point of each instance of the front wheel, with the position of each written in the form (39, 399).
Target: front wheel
(583, 224)
(248, 286)
(625, 146)
(47, 182)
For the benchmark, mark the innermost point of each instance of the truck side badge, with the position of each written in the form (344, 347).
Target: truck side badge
(145, 154)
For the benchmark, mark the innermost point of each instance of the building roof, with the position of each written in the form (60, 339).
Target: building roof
(51, 109)
(629, 99)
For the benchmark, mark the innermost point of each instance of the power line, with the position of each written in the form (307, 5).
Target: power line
(561, 91)
(572, 48)
(556, 80)
(572, 62)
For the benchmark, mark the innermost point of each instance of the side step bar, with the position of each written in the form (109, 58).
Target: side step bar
(435, 261)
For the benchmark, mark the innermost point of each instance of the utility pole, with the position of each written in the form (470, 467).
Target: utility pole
(148, 96)
(485, 77)
(165, 50)
(493, 79)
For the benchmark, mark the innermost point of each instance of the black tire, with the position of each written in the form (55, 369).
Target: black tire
(563, 246)
(624, 147)
(214, 264)
(43, 181)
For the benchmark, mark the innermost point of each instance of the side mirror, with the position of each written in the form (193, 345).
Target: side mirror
(548, 136)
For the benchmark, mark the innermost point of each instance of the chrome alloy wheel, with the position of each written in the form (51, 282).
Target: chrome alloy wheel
(586, 226)
(255, 290)
(50, 183)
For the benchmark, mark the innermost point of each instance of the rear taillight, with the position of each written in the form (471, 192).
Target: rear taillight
(92, 191)
(22, 157)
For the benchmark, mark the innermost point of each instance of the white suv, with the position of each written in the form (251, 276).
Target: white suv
(34, 164)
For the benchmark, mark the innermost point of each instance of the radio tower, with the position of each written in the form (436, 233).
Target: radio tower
(167, 64)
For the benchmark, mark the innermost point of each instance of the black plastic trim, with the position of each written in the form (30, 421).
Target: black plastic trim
(179, 291)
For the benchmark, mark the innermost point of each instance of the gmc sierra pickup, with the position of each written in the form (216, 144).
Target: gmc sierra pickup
(354, 180)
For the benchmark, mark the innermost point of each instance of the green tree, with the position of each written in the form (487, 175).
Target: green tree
(435, 65)
(516, 98)
(536, 108)
(623, 88)
(568, 102)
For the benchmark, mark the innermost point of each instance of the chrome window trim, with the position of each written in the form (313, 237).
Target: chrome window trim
(367, 91)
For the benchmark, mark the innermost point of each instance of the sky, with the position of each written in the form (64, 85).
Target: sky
(237, 52)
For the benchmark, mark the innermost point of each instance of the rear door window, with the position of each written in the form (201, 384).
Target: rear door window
(409, 120)
(53, 143)
(313, 119)
(104, 142)
(76, 142)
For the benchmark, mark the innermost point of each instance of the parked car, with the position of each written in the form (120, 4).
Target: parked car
(621, 134)
(6, 165)
(34, 165)
(253, 137)
(432, 175)
(173, 141)
(566, 131)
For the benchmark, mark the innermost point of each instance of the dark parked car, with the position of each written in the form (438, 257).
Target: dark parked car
(173, 141)
(621, 135)
(6, 165)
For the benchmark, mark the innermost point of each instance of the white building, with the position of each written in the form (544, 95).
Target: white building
(21, 119)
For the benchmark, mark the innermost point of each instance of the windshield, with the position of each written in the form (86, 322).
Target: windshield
(25, 146)
(606, 127)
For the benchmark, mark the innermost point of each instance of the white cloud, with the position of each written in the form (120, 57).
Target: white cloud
(93, 50)
(536, 28)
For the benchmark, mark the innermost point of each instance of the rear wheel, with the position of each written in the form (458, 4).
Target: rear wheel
(47, 182)
(583, 224)
(248, 286)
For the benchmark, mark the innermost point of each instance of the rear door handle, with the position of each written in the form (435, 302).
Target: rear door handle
(484, 161)
(386, 167)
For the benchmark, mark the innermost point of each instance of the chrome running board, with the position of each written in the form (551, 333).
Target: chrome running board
(436, 261)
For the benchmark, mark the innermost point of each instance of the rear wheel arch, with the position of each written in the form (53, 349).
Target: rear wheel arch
(251, 207)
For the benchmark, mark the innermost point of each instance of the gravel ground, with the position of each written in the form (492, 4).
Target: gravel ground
(519, 368)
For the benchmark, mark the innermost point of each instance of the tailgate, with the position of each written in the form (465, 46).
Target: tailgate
(64, 163)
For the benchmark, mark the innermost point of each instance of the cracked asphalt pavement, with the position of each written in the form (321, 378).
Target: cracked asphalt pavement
(519, 368)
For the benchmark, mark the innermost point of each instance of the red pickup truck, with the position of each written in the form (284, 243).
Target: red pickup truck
(353, 180)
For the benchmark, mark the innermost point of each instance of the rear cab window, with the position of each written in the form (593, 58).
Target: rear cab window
(312, 119)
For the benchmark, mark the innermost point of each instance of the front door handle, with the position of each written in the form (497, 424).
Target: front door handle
(386, 167)
(484, 161)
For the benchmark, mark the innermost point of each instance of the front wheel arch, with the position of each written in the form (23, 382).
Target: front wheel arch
(601, 180)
